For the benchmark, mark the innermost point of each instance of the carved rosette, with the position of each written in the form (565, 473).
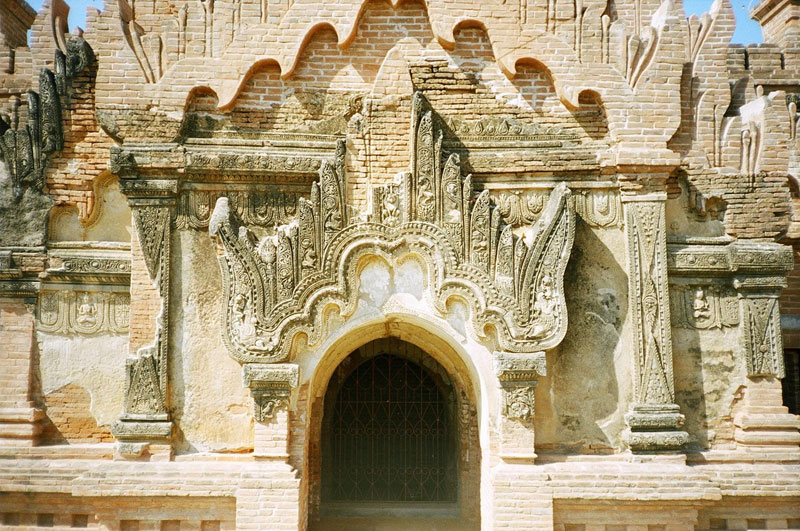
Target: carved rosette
(277, 285)
(761, 318)
(654, 419)
(271, 387)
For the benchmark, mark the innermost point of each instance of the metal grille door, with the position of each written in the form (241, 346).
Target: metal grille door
(390, 437)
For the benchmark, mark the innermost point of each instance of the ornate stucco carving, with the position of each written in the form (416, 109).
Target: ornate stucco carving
(264, 209)
(757, 271)
(703, 307)
(25, 147)
(146, 415)
(278, 285)
(271, 386)
(761, 318)
(83, 312)
(518, 375)
(599, 208)
(654, 418)
(648, 291)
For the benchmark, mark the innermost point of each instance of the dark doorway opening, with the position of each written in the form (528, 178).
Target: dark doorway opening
(390, 429)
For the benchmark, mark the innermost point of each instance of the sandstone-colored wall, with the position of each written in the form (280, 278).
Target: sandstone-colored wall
(213, 408)
(581, 402)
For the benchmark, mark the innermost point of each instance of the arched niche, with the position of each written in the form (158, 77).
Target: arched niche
(455, 376)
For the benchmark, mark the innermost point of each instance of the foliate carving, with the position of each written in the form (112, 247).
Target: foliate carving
(25, 148)
(518, 378)
(703, 307)
(143, 395)
(762, 335)
(152, 227)
(95, 265)
(520, 209)
(498, 131)
(271, 387)
(278, 285)
(648, 295)
(598, 208)
(221, 161)
(263, 209)
(83, 312)
(519, 402)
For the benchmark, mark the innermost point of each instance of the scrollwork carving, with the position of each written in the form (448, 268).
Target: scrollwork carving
(278, 285)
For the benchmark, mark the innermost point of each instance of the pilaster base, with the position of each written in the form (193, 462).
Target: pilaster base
(140, 438)
(655, 428)
(20, 426)
(761, 421)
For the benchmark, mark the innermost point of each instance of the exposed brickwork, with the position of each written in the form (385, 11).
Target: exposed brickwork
(70, 418)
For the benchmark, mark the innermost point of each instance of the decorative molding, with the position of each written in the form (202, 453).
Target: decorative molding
(263, 209)
(25, 148)
(83, 312)
(703, 307)
(735, 257)
(235, 161)
(500, 132)
(87, 269)
(598, 208)
(271, 386)
(278, 285)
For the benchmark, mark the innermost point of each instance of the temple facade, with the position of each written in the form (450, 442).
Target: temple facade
(421, 264)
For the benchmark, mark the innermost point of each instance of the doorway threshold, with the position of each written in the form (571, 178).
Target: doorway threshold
(390, 510)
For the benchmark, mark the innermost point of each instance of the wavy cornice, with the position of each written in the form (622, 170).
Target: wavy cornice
(656, 58)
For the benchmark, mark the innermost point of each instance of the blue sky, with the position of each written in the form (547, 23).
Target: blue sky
(747, 31)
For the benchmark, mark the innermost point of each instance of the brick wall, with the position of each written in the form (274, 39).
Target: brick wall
(70, 420)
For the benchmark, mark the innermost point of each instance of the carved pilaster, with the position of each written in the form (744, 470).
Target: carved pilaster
(271, 388)
(518, 374)
(146, 417)
(761, 318)
(654, 419)
(761, 420)
(20, 414)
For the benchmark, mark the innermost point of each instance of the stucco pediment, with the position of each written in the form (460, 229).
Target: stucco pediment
(279, 286)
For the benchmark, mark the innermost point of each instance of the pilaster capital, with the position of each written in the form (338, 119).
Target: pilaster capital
(270, 386)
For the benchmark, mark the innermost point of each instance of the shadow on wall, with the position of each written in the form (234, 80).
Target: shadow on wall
(580, 404)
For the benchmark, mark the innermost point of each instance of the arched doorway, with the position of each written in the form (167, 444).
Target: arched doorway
(395, 440)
